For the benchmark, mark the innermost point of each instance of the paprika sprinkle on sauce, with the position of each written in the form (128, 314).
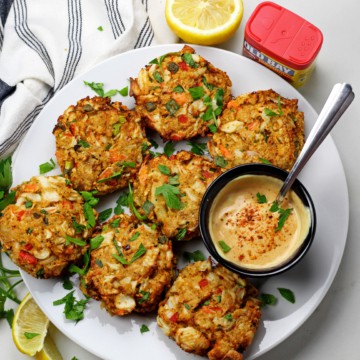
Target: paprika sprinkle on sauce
(250, 229)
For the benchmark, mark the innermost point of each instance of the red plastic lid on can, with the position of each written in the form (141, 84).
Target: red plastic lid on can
(283, 35)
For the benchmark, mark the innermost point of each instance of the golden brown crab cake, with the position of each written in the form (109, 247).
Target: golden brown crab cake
(260, 126)
(210, 310)
(169, 191)
(131, 266)
(180, 94)
(99, 144)
(46, 229)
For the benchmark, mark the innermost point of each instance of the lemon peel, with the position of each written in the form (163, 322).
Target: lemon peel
(29, 327)
(49, 350)
(204, 22)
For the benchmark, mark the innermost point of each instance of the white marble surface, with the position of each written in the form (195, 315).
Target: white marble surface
(332, 332)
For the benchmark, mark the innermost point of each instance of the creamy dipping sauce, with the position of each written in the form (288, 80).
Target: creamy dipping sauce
(246, 232)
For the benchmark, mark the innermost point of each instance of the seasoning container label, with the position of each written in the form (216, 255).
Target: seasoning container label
(282, 41)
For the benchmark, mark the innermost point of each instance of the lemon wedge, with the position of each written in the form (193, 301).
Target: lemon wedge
(204, 22)
(29, 327)
(49, 351)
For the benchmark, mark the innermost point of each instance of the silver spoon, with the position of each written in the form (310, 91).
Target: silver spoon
(338, 101)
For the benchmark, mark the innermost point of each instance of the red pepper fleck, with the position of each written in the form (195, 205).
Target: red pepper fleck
(203, 283)
(210, 309)
(219, 291)
(183, 65)
(28, 247)
(69, 249)
(183, 119)
(20, 214)
(175, 317)
(176, 137)
(72, 128)
(67, 204)
(206, 174)
(27, 258)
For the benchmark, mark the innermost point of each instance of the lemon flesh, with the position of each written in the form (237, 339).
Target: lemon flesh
(31, 321)
(49, 350)
(204, 22)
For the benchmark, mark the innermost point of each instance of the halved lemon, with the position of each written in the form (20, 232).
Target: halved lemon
(204, 22)
(49, 350)
(29, 327)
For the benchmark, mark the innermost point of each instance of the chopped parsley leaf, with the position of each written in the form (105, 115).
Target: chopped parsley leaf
(154, 144)
(105, 214)
(267, 299)
(164, 169)
(269, 112)
(197, 255)
(89, 197)
(67, 284)
(197, 92)
(170, 194)
(261, 199)
(89, 215)
(169, 148)
(144, 329)
(120, 202)
(220, 161)
(46, 167)
(135, 236)
(30, 335)
(74, 309)
(140, 252)
(197, 148)
(145, 296)
(5, 174)
(287, 294)
(181, 234)
(284, 214)
(75, 241)
(224, 246)
(96, 241)
(264, 161)
(147, 207)
(132, 206)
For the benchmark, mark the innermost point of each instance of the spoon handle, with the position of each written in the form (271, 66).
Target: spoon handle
(338, 101)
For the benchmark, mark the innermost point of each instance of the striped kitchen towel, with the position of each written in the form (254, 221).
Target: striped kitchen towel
(45, 43)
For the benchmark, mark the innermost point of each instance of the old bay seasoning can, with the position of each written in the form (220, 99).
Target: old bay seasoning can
(283, 41)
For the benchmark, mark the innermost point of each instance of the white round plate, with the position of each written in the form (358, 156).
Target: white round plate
(114, 337)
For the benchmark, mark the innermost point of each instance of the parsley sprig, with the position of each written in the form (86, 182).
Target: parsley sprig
(7, 276)
(99, 89)
(7, 291)
(284, 214)
(74, 308)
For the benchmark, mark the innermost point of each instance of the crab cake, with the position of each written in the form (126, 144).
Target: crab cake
(180, 94)
(210, 310)
(169, 191)
(260, 126)
(99, 144)
(46, 229)
(131, 266)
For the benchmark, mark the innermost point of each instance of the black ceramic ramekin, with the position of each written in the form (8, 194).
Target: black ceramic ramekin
(254, 169)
